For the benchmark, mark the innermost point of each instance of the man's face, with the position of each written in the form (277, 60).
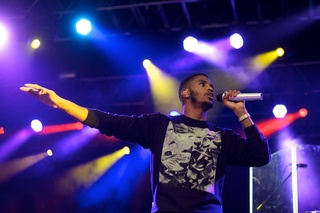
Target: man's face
(201, 92)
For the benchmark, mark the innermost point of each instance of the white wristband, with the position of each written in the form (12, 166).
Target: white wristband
(243, 117)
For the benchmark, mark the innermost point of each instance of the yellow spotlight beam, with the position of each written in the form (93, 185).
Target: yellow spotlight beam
(262, 61)
(83, 176)
(164, 89)
(11, 168)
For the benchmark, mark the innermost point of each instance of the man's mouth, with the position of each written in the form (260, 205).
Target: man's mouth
(210, 95)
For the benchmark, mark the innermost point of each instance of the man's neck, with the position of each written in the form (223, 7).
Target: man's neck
(194, 113)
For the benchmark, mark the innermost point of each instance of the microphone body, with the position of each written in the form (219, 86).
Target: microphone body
(243, 97)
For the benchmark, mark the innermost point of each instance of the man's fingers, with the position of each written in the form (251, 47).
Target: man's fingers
(42, 92)
(34, 88)
(26, 89)
(230, 94)
(32, 85)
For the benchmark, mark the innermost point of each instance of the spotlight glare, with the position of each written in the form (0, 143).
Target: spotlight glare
(190, 44)
(3, 35)
(206, 49)
(279, 111)
(83, 27)
(303, 112)
(280, 52)
(35, 44)
(126, 150)
(36, 125)
(236, 41)
(49, 152)
(146, 63)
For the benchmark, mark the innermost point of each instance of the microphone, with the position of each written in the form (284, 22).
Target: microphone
(243, 97)
(300, 165)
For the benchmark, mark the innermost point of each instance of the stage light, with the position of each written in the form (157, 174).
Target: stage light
(83, 27)
(303, 112)
(15, 166)
(236, 41)
(279, 111)
(35, 44)
(126, 150)
(151, 69)
(1, 130)
(162, 85)
(190, 44)
(3, 35)
(36, 125)
(61, 128)
(85, 175)
(174, 113)
(49, 152)
(146, 63)
(280, 52)
(73, 141)
(206, 50)
(272, 125)
(14, 142)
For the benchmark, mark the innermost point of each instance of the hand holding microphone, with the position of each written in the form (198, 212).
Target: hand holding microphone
(242, 97)
(234, 100)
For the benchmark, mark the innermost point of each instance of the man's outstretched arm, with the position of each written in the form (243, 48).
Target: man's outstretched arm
(50, 98)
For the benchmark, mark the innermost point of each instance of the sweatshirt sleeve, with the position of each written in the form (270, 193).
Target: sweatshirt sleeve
(136, 129)
(253, 151)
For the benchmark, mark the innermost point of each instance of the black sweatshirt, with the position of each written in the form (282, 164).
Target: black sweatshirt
(189, 157)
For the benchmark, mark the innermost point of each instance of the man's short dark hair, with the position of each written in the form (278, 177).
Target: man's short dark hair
(185, 82)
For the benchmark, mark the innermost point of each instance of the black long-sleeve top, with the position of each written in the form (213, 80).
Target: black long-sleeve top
(189, 157)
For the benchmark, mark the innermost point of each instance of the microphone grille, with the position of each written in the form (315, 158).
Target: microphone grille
(219, 97)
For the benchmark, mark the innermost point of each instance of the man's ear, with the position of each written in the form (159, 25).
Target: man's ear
(185, 93)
